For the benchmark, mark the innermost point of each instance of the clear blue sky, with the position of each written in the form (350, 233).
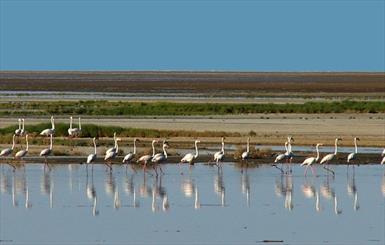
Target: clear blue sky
(328, 35)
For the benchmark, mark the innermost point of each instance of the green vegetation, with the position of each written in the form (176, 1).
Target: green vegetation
(91, 130)
(108, 108)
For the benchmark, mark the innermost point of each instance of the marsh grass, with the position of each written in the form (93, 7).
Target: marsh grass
(110, 108)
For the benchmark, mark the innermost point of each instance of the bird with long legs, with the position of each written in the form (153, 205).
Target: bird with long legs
(130, 156)
(190, 157)
(329, 157)
(308, 162)
(160, 157)
(49, 131)
(22, 153)
(92, 157)
(353, 156)
(246, 154)
(8, 151)
(280, 158)
(289, 154)
(220, 155)
(145, 159)
(110, 155)
(18, 130)
(46, 152)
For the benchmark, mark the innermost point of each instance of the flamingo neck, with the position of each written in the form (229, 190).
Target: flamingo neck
(20, 124)
(317, 153)
(70, 122)
(196, 150)
(153, 149)
(26, 139)
(355, 145)
(336, 147)
(94, 146)
(223, 147)
(116, 146)
(13, 142)
(248, 146)
(53, 124)
(134, 147)
(164, 151)
(80, 125)
(287, 150)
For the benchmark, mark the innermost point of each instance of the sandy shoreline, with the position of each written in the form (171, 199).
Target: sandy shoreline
(270, 129)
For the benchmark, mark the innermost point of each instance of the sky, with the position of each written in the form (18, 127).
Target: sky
(204, 35)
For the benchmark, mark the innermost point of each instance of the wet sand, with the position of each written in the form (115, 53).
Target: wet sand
(270, 129)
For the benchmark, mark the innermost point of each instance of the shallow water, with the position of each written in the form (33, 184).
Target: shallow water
(74, 205)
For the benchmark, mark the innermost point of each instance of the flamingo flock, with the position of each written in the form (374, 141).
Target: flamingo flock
(157, 158)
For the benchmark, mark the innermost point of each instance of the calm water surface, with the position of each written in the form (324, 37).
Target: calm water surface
(72, 204)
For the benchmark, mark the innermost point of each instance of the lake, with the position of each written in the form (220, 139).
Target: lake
(76, 204)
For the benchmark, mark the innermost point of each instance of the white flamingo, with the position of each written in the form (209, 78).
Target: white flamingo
(49, 131)
(190, 157)
(46, 152)
(23, 132)
(282, 156)
(146, 158)
(383, 159)
(219, 155)
(18, 131)
(245, 155)
(311, 160)
(112, 154)
(160, 157)
(92, 157)
(22, 153)
(74, 131)
(353, 155)
(329, 157)
(131, 155)
(8, 151)
(112, 148)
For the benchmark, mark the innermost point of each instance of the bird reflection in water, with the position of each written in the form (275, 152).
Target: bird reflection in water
(46, 185)
(159, 191)
(245, 186)
(352, 189)
(329, 193)
(129, 189)
(91, 192)
(309, 191)
(284, 187)
(73, 169)
(219, 186)
(5, 181)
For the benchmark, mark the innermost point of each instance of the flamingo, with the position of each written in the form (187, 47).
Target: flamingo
(383, 159)
(74, 131)
(46, 152)
(190, 157)
(112, 154)
(18, 131)
(49, 131)
(22, 153)
(353, 155)
(245, 155)
(92, 157)
(146, 158)
(112, 148)
(329, 157)
(160, 157)
(282, 156)
(219, 155)
(311, 160)
(8, 151)
(23, 132)
(127, 158)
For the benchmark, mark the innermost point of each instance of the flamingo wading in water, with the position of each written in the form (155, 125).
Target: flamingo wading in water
(46, 152)
(92, 157)
(245, 155)
(353, 155)
(329, 157)
(146, 158)
(311, 160)
(220, 155)
(22, 153)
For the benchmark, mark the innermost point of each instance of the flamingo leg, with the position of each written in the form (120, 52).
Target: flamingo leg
(312, 170)
(305, 173)
(180, 169)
